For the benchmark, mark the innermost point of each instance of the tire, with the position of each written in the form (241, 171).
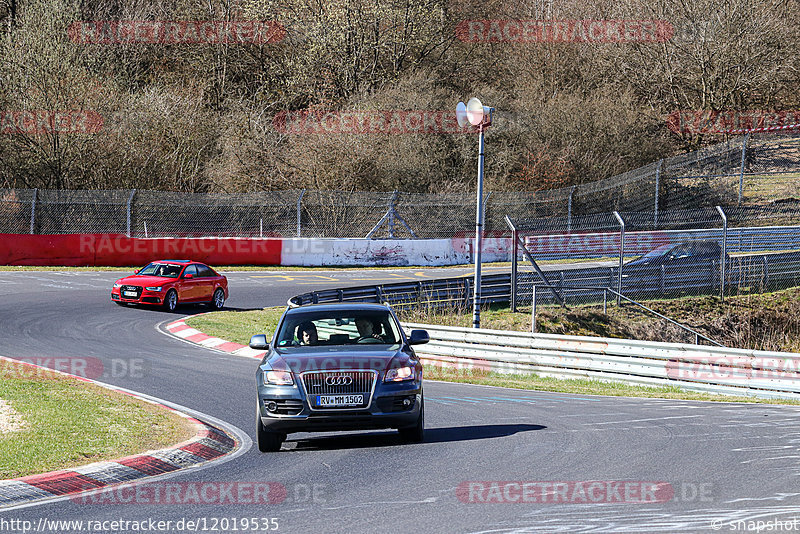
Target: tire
(218, 301)
(416, 433)
(171, 300)
(267, 441)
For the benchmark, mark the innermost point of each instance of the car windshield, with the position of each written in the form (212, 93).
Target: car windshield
(164, 270)
(657, 251)
(338, 327)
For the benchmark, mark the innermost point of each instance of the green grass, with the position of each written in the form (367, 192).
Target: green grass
(68, 422)
(238, 326)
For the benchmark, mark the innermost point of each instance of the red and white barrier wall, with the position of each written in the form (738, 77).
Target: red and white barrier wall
(119, 250)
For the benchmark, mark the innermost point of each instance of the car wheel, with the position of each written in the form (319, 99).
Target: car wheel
(219, 299)
(267, 441)
(171, 300)
(416, 433)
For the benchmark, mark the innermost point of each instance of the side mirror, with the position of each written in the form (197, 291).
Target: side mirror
(418, 337)
(259, 342)
(188, 276)
(136, 271)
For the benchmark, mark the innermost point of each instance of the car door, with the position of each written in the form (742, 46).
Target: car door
(205, 282)
(189, 285)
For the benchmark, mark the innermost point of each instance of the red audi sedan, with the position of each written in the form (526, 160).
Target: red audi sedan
(170, 282)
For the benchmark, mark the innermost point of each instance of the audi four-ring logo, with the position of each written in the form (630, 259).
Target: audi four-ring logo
(342, 380)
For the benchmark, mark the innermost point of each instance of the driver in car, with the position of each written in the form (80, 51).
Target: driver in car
(367, 328)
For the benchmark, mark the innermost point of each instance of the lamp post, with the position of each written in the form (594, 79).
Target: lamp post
(478, 115)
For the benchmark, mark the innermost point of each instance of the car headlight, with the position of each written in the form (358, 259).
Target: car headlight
(117, 286)
(155, 288)
(278, 378)
(399, 374)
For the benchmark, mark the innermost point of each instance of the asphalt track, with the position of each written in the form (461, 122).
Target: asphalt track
(724, 462)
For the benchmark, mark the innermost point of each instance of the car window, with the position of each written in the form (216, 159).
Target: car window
(681, 251)
(339, 328)
(204, 271)
(191, 269)
(706, 249)
(161, 269)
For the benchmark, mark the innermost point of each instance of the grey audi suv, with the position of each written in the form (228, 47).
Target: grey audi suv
(332, 367)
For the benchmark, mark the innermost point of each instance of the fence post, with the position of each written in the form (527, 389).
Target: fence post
(390, 220)
(658, 183)
(569, 209)
(723, 255)
(621, 253)
(514, 267)
(299, 199)
(741, 167)
(33, 209)
(533, 309)
(128, 210)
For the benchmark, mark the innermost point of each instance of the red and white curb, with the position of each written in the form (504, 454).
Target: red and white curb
(210, 442)
(185, 332)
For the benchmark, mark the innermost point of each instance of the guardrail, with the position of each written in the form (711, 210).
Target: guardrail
(762, 271)
(646, 363)
(590, 245)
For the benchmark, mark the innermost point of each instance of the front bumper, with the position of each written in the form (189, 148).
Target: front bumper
(146, 297)
(388, 409)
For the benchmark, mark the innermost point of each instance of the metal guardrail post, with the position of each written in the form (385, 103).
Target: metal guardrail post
(741, 166)
(621, 253)
(33, 209)
(128, 210)
(299, 200)
(724, 257)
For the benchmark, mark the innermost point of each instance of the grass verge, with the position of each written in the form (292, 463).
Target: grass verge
(238, 326)
(67, 422)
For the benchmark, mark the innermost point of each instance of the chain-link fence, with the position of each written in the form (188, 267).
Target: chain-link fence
(758, 172)
(651, 258)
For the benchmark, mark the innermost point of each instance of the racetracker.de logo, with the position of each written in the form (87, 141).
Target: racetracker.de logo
(368, 122)
(736, 369)
(37, 122)
(564, 31)
(80, 366)
(113, 32)
(561, 492)
(731, 122)
(182, 493)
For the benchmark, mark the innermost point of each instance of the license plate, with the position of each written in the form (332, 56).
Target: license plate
(339, 400)
(129, 293)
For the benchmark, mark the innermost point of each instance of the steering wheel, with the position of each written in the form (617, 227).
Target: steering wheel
(367, 340)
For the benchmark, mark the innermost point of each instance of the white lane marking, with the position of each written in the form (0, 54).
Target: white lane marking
(643, 420)
(758, 460)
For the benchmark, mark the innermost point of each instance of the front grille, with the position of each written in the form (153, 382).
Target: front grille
(316, 382)
(320, 383)
(135, 289)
